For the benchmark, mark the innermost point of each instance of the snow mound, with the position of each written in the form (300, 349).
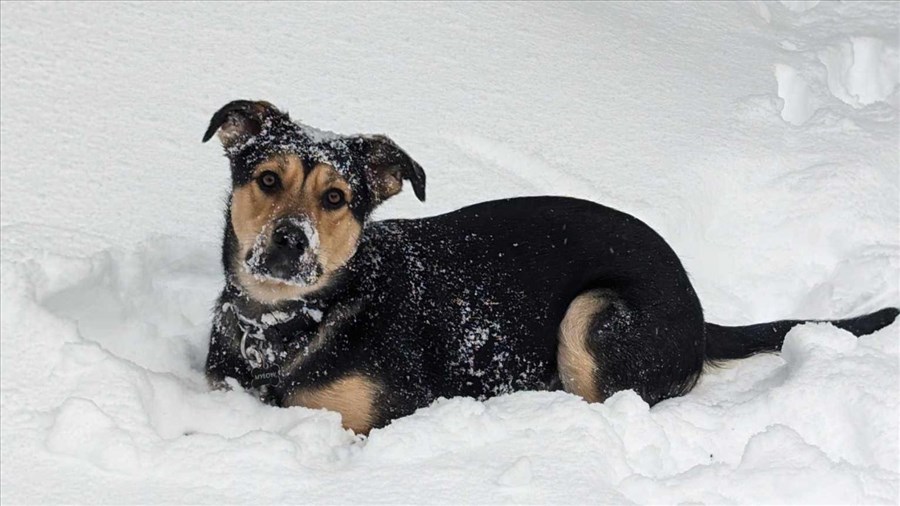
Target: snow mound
(116, 387)
(82, 430)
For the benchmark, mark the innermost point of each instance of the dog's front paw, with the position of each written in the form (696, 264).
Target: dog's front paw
(218, 382)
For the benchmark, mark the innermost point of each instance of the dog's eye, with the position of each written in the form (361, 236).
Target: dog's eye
(333, 199)
(268, 181)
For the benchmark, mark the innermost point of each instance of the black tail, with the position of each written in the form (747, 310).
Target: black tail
(739, 342)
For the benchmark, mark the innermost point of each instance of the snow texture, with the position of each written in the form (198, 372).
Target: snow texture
(760, 139)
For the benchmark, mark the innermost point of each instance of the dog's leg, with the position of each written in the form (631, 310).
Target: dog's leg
(578, 367)
(219, 364)
(607, 345)
(224, 360)
(354, 396)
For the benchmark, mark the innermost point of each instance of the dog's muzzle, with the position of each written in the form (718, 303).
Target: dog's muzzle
(289, 255)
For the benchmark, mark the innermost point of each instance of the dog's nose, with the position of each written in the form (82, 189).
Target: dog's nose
(289, 234)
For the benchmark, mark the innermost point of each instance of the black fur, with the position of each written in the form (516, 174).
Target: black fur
(469, 303)
(740, 342)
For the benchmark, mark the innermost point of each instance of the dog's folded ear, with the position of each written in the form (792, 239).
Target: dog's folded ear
(388, 166)
(238, 121)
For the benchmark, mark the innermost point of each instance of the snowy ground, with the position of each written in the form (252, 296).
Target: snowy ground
(759, 139)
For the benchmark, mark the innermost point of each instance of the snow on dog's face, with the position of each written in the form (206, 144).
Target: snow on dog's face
(300, 198)
(293, 226)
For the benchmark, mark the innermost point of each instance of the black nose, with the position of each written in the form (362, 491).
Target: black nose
(288, 234)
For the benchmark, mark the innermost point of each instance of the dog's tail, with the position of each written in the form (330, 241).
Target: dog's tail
(738, 342)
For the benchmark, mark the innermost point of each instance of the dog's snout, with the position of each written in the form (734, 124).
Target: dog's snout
(289, 234)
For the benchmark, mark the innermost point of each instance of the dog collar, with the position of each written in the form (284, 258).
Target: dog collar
(261, 354)
(257, 350)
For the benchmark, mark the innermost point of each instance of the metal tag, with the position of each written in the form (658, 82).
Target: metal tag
(265, 376)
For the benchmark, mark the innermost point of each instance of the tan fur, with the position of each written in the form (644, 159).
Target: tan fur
(352, 396)
(338, 230)
(253, 212)
(578, 368)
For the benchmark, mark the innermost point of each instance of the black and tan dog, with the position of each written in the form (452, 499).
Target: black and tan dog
(325, 309)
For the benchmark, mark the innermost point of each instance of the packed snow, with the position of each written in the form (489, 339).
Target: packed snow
(760, 139)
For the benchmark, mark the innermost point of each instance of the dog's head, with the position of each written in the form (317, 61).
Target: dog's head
(300, 197)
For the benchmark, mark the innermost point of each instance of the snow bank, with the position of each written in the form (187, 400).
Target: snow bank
(118, 398)
(760, 139)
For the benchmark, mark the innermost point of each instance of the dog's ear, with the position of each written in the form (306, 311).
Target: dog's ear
(388, 166)
(239, 120)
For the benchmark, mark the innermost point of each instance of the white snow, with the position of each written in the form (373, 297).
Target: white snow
(761, 139)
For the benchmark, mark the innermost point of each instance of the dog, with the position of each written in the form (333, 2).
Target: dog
(324, 308)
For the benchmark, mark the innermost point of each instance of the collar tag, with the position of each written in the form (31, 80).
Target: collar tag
(266, 376)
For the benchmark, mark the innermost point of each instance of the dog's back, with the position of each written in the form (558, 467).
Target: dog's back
(473, 300)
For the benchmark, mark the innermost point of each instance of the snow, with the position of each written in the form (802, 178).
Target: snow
(759, 138)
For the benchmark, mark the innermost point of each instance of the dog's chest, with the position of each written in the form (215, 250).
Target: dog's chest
(267, 346)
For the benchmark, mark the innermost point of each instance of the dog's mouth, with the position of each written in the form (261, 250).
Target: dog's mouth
(294, 268)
